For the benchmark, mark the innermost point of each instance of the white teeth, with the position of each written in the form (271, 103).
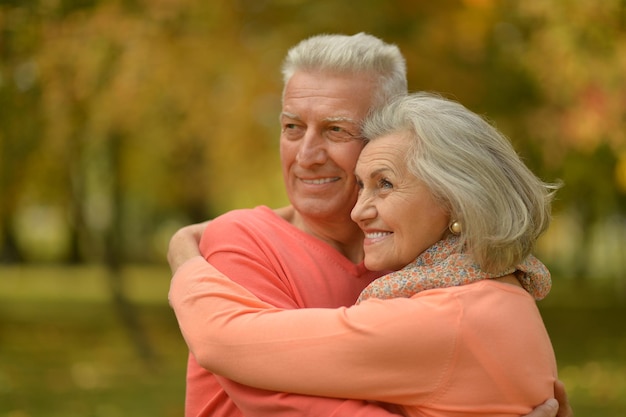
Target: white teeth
(376, 235)
(319, 181)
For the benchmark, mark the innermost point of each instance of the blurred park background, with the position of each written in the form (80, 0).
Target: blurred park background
(121, 120)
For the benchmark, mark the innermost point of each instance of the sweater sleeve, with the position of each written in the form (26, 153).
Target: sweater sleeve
(368, 351)
(258, 272)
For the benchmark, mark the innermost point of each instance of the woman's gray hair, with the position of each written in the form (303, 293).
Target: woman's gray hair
(474, 171)
(360, 53)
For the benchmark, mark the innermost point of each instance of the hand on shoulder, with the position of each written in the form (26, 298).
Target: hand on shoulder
(184, 245)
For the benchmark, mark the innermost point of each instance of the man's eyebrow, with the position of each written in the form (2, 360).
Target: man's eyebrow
(290, 115)
(341, 119)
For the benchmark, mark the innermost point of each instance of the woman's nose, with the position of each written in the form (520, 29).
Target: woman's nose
(363, 210)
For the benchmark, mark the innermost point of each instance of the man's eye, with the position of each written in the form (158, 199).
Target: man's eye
(339, 134)
(292, 130)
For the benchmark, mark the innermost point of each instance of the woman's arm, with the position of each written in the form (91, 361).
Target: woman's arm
(213, 314)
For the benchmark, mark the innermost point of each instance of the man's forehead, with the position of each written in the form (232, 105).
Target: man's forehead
(325, 95)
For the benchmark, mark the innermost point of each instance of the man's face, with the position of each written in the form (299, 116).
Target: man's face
(320, 141)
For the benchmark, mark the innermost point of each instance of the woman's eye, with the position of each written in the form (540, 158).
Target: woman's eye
(383, 183)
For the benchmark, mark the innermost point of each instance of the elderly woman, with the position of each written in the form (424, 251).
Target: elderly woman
(444, 200)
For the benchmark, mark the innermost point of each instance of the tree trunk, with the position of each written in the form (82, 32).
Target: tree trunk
(114, 249)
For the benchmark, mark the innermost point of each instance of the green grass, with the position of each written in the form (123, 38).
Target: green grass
(590, 346)
(586, 321)
(64, 352)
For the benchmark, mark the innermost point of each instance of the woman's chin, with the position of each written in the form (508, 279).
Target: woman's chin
(376, 264)
(381, 264)
(371, 265)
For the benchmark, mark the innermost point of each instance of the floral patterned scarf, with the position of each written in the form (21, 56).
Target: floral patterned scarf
(442, 266)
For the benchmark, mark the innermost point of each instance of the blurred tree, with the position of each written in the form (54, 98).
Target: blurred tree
(192, 91)
(575, 51)
(19, 118)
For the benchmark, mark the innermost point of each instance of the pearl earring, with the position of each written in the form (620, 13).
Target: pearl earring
(455, 228)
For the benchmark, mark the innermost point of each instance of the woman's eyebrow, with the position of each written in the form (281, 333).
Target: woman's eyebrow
(376, 173)
(379, 171)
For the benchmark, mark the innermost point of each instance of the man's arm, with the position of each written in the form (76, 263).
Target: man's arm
(565, 409)
(559, 407)
(184, 245)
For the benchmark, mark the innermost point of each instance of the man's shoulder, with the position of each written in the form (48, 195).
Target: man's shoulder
(257, 220)
(259, 213)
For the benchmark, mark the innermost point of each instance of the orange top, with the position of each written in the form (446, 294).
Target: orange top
(479, 348)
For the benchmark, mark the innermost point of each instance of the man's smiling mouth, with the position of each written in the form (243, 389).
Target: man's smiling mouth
(319, 181)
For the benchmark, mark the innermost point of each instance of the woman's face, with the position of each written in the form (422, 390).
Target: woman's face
(396, 211)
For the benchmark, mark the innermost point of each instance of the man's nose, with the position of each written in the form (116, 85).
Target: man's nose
(312, 149)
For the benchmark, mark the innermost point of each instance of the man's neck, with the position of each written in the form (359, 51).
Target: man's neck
(343, 235)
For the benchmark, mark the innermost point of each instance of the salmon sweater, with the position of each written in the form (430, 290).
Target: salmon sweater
(478, 349)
